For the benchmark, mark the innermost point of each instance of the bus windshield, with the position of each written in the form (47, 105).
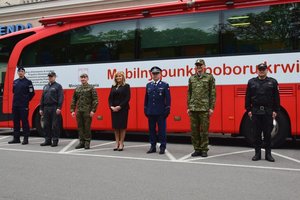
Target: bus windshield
(6, 47)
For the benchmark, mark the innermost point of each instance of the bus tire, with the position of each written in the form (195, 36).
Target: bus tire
(38, 124)
(278, 135)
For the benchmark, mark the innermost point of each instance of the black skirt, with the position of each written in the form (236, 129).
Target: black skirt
(119, 119)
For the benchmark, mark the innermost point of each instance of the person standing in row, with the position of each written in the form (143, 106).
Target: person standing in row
(23, 92)
(85, 100)
(262, 103)
(50, 108)
(201, 103)
(119, 105)
(157, 106)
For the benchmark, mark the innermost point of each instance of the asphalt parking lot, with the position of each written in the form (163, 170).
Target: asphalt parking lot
(35, 172)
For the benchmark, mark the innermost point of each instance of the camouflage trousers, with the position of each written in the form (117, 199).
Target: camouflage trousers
(84, 126)
(199, 125)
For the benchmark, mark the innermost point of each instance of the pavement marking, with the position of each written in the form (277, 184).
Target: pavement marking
(68, 146)
(169, 155)
(286, 157)
(219, 155)
(104, 149)
(158, 160)
(99, 145)
(185, 157)
(1, 138)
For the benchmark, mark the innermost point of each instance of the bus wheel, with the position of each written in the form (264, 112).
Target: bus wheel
(39, 124)
(279, 133)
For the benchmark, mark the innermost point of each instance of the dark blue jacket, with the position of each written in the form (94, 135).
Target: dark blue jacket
(23, 92)
(157, 99)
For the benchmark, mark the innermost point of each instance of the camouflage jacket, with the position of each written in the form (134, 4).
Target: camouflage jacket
(201, 92)
(85, 98)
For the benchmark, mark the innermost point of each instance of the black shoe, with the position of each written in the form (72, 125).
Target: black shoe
(196, 153)
(269, 158)
(25, 141)
(46, 143)
(256, 157)
(54, 143)
(87, 145)
(151, 150)
(203, 154)
(116, 149)
(162, 151)
(80, 146)
(14, 141)
(121, 149)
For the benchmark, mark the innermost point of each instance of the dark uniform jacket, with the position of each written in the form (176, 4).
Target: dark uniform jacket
(23, 92)
(262, 96)
(157, 99)
(119, 96)
(52, 95)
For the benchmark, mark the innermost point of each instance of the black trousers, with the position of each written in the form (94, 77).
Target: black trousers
(20, 114)
(263, 124)
(51, 124)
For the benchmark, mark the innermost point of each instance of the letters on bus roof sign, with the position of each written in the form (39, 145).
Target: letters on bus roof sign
(13, 28)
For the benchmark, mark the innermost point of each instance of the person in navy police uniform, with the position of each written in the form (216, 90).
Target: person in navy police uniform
(157, 109)
(23, 92)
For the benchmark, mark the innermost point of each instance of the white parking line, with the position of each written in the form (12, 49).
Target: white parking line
(219, 155)
(1, 138)
(99, 145)
(286, 157)
(104, 149)
(185, 157)
(68, 146)
(169, 155)
(158, 160)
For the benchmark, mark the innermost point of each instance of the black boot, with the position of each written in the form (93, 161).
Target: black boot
(268, 156)
(54, 143)
(87, 145)
(46, 143)
(152, 149)
(15, 140)
(25, 141)
(257, 155)
(80, 145)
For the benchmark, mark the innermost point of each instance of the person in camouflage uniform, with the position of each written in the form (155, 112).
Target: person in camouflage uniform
(86, 100)
(200, 102)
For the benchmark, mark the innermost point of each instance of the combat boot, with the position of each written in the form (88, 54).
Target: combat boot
(257, 155)
(268, 156)
(54, 143)
(80, 145)
(25, 141)
(14, 141)
(87, 145)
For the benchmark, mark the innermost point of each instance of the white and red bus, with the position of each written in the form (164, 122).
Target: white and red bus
(232, 36)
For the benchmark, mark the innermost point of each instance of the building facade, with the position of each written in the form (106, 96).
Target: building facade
(20, 14)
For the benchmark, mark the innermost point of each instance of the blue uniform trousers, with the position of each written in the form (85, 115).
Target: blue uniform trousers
(20, 114)
(160, 120)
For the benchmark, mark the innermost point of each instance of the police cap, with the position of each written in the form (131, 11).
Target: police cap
(84, 75)
(51, 74)
(262, 66)
(199, 62)
(155, 70)
(21, 68)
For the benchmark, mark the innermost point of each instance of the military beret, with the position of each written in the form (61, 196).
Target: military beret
(200, 61)
(51, 73)
(155, 69)
(83, 75)
(262, 66)
(21, 68)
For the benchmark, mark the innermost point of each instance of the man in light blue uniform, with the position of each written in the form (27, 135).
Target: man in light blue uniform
(157, 108)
